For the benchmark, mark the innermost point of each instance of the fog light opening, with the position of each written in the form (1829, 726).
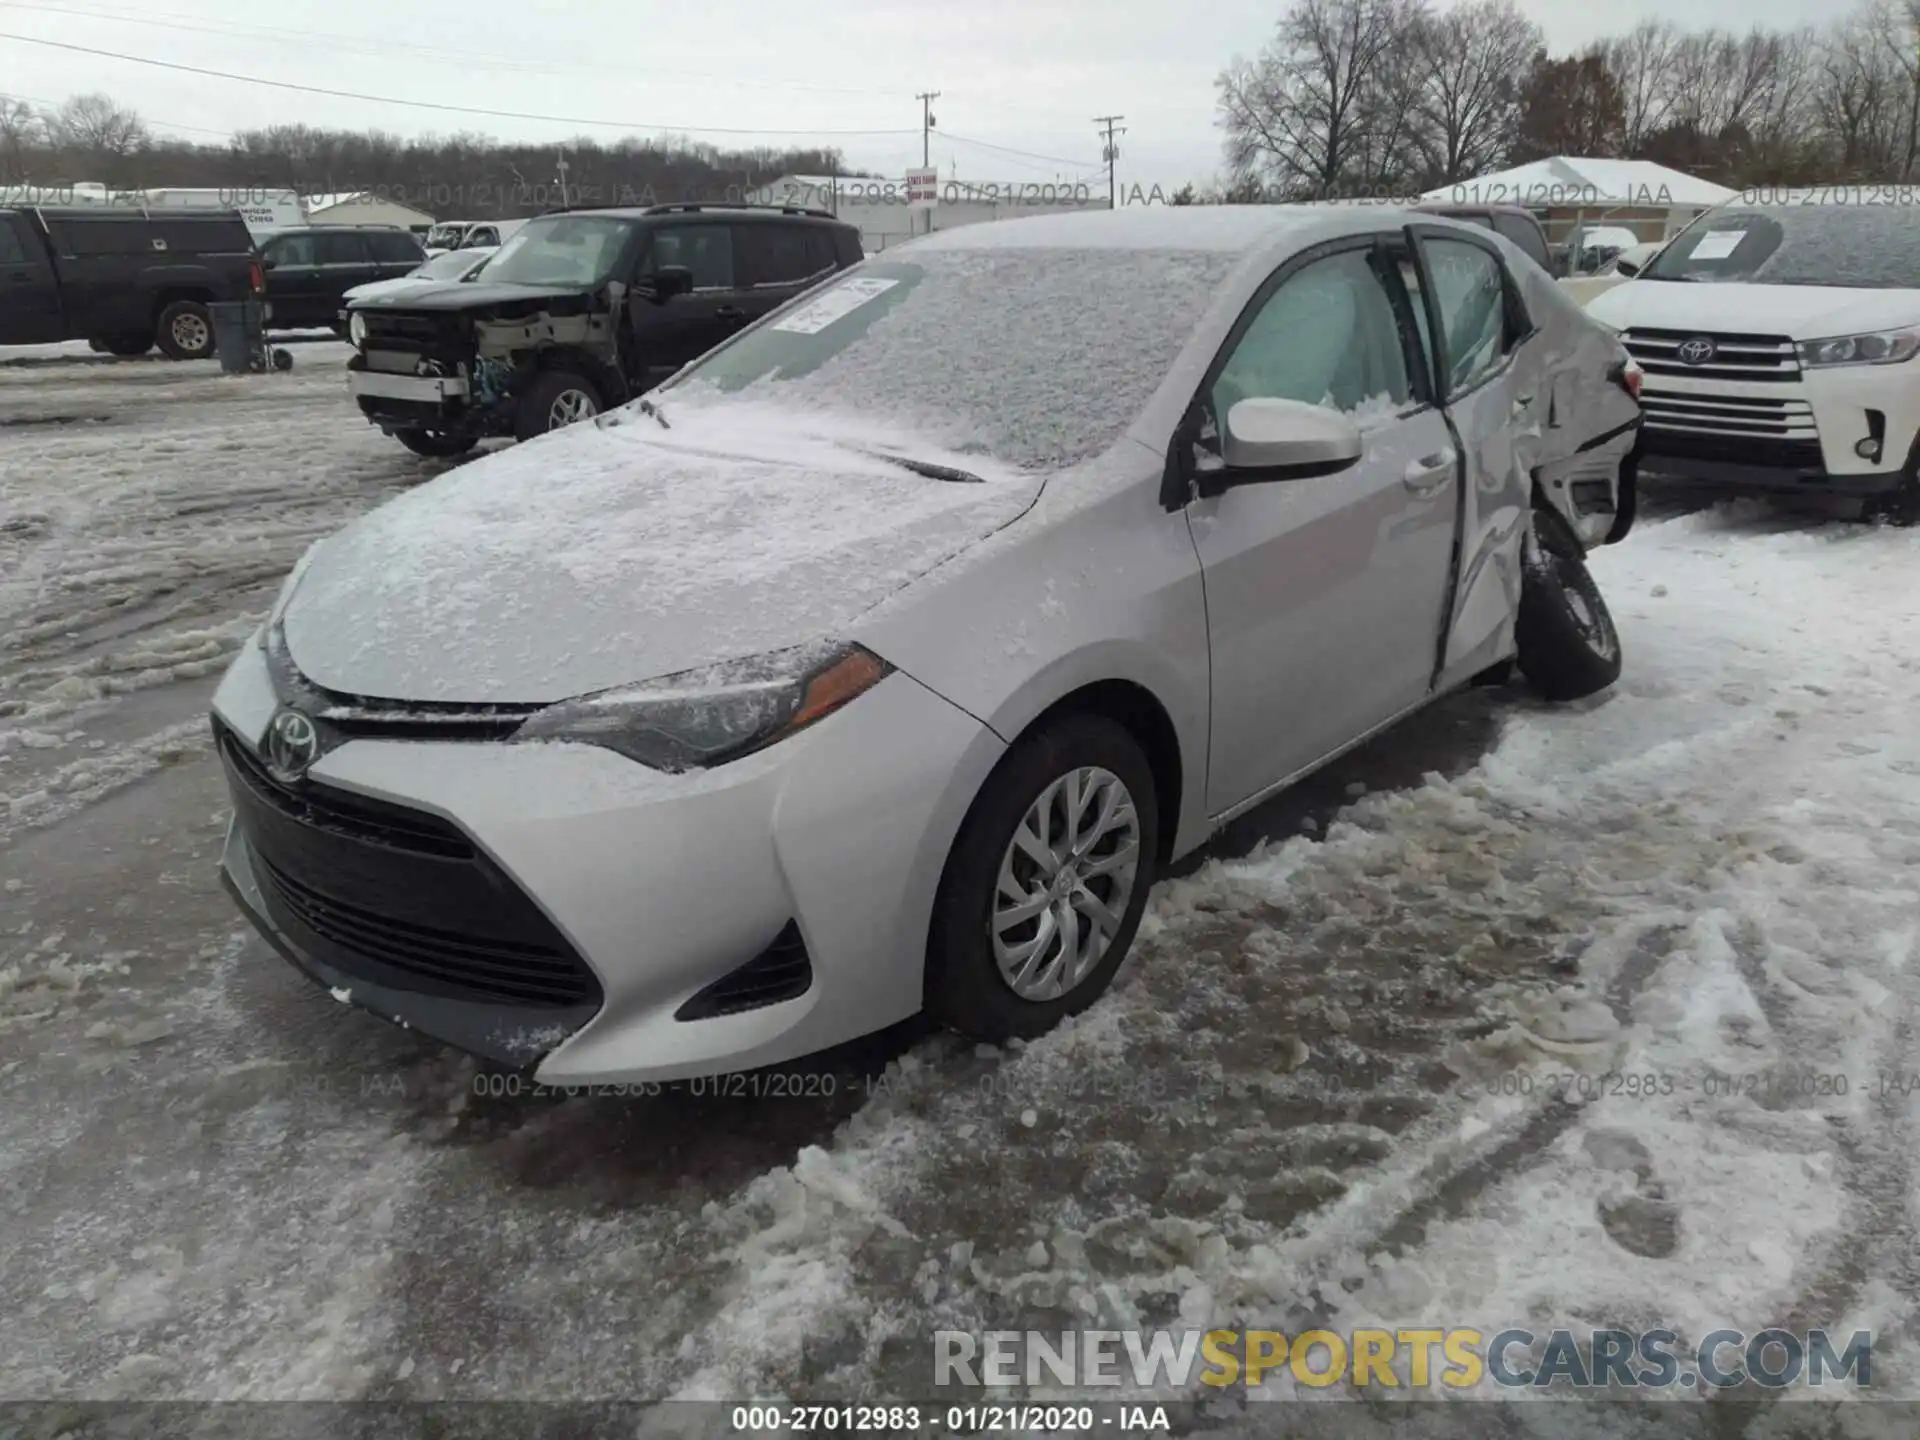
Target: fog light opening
(1867, 449)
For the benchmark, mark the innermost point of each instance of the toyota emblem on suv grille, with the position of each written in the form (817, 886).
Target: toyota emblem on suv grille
(1696, 351)
(293, 744)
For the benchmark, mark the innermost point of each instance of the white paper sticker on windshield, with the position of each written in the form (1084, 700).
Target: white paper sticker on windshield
(1717, 244)
(843, 299)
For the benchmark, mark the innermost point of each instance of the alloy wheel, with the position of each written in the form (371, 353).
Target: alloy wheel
(570, 407)
(1064, 883)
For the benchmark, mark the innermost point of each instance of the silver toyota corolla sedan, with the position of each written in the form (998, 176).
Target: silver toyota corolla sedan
(880, 660)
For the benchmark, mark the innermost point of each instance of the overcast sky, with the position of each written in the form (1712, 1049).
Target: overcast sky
(1024, 74)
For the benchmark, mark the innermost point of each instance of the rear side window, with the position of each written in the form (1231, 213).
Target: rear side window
(12, 252)
(391, 246)
(292, 250)
(706, 250)
(769, 253)
(1527, 236)
(106, 236)
(341, 247)
(820, 253)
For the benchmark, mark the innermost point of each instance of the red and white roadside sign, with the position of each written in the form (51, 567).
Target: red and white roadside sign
(923, 188)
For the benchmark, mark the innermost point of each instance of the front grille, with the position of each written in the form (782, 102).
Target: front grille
(341, 716)
(412, 331)
(780, 972)
(1762, 417)
(463, 965)
(387, 894)
(355, 817)
(1735, 356)
(393, 362)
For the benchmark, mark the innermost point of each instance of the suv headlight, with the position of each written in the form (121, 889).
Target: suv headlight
(1878, 347)
(357, 329)
(706, 717)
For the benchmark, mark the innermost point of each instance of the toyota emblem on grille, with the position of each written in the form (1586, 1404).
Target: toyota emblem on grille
(293, 744)
(1696, 351)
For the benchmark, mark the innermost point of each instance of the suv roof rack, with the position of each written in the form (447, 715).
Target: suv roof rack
(696, 205)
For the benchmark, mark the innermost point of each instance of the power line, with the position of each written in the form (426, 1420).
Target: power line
(349, 43)
(1028, 154)
(627, 125)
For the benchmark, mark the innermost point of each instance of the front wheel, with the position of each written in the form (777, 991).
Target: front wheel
(1902, 507)
(436, 444)
(555, 400)
(185, 331)
(1045, 885)
(1568, 646)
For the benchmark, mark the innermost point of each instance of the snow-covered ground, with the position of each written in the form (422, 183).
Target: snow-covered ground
(1350, 1079)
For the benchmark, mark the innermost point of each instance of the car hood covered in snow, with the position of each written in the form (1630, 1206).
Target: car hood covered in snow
(1801, 312)
(611, 553)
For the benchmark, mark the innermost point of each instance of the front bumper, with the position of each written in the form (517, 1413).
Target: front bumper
(1798, 436)
(659, 884)
(418, 389)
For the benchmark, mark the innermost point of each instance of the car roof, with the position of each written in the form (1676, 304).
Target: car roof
(1231, 229)
(730, 212)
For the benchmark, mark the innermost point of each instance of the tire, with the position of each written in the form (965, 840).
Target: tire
(553, 392)
(127, 346)
(1900, 509)
(185, 331)
(1567, 645)
(436, 444)
(967, 989)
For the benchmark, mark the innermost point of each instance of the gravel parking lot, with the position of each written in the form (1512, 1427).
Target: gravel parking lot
(1335, 1084)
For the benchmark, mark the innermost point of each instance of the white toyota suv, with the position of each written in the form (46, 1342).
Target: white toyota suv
(1777, 334)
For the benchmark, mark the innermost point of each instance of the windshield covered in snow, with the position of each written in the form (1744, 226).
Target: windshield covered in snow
(1868, 247)
(570, 250)
(1038, 358)
(450, 266)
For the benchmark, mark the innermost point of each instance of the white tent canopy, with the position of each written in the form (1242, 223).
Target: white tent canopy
(1566, 180)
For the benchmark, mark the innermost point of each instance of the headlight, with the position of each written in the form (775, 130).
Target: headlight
(357, 329)
(706, 717)
(1880, 347)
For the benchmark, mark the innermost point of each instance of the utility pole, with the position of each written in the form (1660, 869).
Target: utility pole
(560, 161)
(1111, 151)
(926, 100)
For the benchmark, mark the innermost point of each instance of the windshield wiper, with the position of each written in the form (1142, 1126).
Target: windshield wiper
(922, 467)
(647, 407)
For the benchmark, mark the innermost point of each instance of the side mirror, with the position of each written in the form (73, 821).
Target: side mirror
(666, 282)
(267, 262)
(1624, 266)
(1283, 440)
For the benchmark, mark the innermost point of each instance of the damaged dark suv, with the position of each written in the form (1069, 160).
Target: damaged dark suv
(580, 311)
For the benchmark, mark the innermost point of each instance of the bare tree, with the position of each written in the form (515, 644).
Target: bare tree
(1642, 64)
(98, 128)
(1308, 112)
(1895, 28)
(1468, 63)
(1858, 99)
(21, 133)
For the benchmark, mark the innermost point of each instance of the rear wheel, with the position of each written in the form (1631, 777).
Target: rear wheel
(1566, 642)
(186, 331)
(1045, 885)
(437, 444)
(555, 400)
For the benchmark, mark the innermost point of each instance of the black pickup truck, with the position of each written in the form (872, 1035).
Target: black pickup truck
(126, 279)
(578, 312)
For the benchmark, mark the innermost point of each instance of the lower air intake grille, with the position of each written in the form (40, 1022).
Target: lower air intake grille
(781, 972)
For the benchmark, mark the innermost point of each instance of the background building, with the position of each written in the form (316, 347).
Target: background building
(364, 208)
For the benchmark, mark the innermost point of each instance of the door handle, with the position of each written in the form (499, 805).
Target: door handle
(1432, 474)
(729, 312)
